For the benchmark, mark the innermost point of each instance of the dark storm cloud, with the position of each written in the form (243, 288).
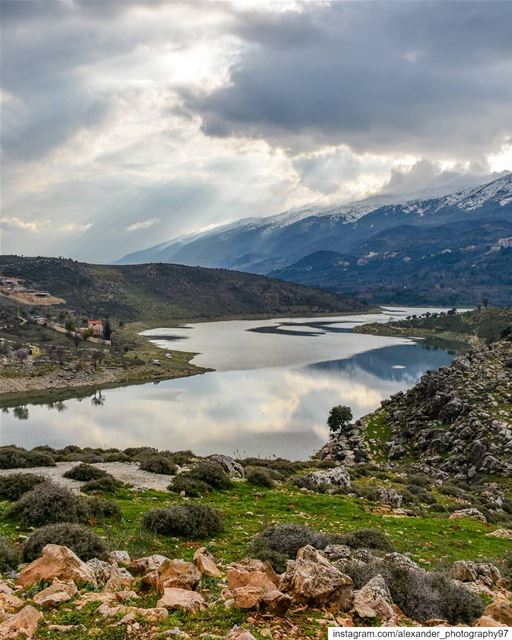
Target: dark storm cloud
(379, 76)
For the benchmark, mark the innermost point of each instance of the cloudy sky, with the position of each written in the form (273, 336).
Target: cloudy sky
(126, 122)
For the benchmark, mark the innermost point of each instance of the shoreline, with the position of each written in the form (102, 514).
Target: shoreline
(57, 385)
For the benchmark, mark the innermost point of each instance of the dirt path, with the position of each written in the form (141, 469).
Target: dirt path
(128, 472)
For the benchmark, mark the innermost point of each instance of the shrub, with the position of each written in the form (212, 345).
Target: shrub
(192, 487)
(282, 466)
(259, 477)
(84, 472)
(82, 540)
(212, 474)
(184, 520)
(8, 555)
(421, 595)
(366, 539)
(13, 486)
(40, 459)
(181, 457)
(12, 457)
(158, 463)
(87, 458)
(105, 484)
(101, 508)
(48, 503)
(281, 542)
(339, 418)
(139, 453)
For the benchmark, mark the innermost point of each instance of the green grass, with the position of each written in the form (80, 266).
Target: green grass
(377, 433)
(432, 540)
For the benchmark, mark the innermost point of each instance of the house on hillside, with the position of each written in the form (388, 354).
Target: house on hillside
(96, 326)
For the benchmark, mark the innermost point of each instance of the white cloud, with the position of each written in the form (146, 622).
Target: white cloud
(143, 224)
(72, 227)
(15, 223)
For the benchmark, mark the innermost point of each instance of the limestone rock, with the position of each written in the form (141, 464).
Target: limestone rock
(147, 563)
(119, 579)
(59, 591)
(184, 599)
(152, 615)
(332, 479)
(472, 513)
(506, 534)
(256, 579)
(250, 564)
(373, 600)
(317, 584)
(178, 574)
(101, 569)
(237, 633)
(56, 562)
(119, 557)
(486, 621)
(205, 562)
(500, 611)
(22, 624)
(229, 464)
(11, 603)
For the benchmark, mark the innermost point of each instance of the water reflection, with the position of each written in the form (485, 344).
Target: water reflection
(266, 411)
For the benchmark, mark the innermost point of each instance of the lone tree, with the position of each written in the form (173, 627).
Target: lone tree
(107, 330)
(339, 418)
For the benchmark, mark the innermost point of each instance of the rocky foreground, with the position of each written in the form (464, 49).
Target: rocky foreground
(457, 421)
(117, 593)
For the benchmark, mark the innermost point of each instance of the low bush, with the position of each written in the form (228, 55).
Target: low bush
(8, 555)
(13, 486)
(190, 486)
(212, 474)
(366, 539)
(12, 457)
(49, 503)
(105, 484)
(157, 463)
(181, 457)
(421, 595)
(259, 477)
(99, 508)
(82, 540)
(84, 456)
(184, 520)
(285, 467)
(279, 543)
(85, 472)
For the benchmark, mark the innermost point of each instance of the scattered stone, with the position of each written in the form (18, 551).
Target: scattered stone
(373, 600)
(147, 564)
(317, 584)
(337, 552)
(119, 579)
(390, 497)
(183, 599)
(119, 557)
(11, 603)
(333, 479)
(472, 513)
(500, 611)
(178, 574)
(58, 592)
(229, 464)
(101, 569)
(205, 562)
(486, 621)
(22, 624)
(56, 562)
(153, 615)
(501, 533)
(237, 633)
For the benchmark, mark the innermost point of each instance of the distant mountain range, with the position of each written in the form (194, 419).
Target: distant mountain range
(445, 248)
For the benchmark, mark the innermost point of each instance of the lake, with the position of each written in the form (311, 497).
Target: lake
(272, 388)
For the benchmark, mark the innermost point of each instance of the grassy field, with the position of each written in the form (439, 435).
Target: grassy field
(432, 540)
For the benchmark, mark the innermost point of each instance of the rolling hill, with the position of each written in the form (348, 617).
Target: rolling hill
(167, 292)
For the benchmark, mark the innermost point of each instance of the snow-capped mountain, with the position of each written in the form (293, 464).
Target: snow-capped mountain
(262, 245)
